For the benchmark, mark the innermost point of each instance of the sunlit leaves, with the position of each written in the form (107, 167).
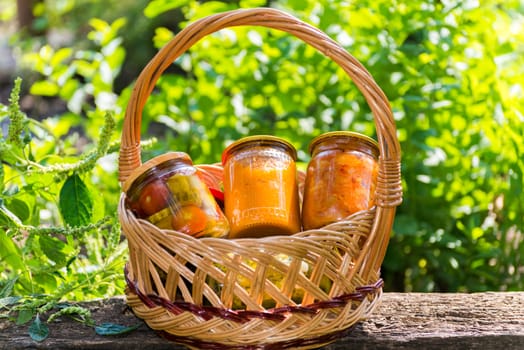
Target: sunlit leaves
(156, 7)
(44, 88)
(162, 36)
(103, 33)
(76, 76)
(441, 78)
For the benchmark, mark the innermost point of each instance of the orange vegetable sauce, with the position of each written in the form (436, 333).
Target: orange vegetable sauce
(260, 187)
(340, 179)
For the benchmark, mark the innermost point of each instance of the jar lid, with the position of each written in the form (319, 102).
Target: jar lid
(260, 140)
(345, 135)
(153, 162)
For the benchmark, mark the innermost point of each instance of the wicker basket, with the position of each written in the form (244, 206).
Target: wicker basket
(303, 290)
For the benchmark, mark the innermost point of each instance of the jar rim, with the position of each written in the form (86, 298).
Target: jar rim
(261, 139)
(153, 162)
(348, 135)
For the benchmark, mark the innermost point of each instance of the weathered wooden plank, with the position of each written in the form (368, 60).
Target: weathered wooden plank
(402, 321)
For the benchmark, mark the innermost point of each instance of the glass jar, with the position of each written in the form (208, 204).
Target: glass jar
(168, 192)
(260, 187)
(340, 178)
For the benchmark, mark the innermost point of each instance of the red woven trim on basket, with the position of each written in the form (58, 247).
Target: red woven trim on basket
(285, 344)
(242, 316)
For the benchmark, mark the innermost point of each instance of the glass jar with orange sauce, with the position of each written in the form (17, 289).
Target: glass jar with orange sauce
(260, 187)
(168, 192)
(340, 179)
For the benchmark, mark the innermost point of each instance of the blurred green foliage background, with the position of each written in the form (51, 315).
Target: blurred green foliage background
(453, 71)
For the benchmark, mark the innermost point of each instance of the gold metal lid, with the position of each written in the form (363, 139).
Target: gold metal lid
(153, 162)
(345, 135)
(259, 139)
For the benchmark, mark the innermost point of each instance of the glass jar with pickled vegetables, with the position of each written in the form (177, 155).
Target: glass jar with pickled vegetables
(260, 187)
(340, 178)
(168, 192)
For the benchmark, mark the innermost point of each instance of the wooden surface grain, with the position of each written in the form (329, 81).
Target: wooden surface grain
(402, 321)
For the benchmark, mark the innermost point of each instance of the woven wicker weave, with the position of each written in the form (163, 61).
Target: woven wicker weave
(279, 292)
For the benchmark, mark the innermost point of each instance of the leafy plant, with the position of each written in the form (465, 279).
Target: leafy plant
(55, 243)
(59, 234)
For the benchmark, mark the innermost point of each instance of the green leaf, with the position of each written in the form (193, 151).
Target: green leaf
(7, 289)
(157, 7)
(54, 249)
(44, 88)
(2, 171)
(10, 254)
(162, 36)
(46, 280)
(61, 55)
(118, 24)
(76, 204)
(210, 8)
(8, 301)
(298, 5)
(114, 329)
(24, 316)
(7, 217)
(38, 330)
(259, 3)
(98, 24)
(19, 208)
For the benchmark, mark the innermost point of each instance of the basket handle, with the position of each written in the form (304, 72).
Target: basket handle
(266, 17)
(388, 191)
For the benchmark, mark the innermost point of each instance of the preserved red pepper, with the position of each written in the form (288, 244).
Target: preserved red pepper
(168, 191)
(260, 187)
(340, 179)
